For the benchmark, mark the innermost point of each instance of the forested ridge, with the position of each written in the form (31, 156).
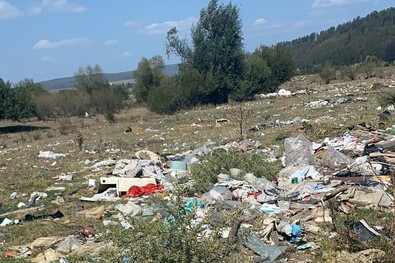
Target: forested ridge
(348, 43)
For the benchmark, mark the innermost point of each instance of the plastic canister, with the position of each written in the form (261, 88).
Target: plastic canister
(178, 165)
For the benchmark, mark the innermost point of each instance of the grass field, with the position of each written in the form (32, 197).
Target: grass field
(21, 170)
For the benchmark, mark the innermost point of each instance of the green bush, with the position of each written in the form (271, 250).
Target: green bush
(327, 74)
(176, 238)
(367, 67)
(71, 102)
(17, 100)
(387, 99)
(185, 90)
(163, 99)
(245, 91)
(205, 173)
(109, 100)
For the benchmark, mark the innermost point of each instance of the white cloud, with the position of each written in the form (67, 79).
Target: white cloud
(259, 21)
(46, 58)
(328, 3)
(110, 42)
(163, 27)
(56, 6)
(301, 23)
(8, 11)
(131, 23)
(44, 43)
(126, 54)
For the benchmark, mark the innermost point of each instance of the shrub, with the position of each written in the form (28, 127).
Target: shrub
(176, 238)
(185, 90)
(387, 99)
(45, 106)
(36, 135)
(327, 74)
(367, 67)
(246, 91)
(65, 126)
(72, 103)
(163, 99)
(349, 72)
(50, 135)
(108, 101)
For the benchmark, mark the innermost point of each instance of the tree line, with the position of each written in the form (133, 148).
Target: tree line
(92, 95)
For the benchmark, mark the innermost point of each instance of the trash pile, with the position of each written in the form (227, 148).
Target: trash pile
(350, 171)
(56, 248)
(277, 123)
(332, 102)
(280, 93)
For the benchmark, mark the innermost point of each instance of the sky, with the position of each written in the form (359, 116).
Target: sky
(48, 39)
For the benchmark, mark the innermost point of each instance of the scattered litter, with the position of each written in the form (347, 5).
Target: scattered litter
(50, 155)
(56, 215)
(221, 122)
(304, 246)
(348, 172)
(362, 230)
(267, 252)
(63, 177)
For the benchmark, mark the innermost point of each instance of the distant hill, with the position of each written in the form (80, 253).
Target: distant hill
(348, 43)
(127, 76)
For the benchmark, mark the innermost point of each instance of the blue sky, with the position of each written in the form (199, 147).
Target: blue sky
(46, 39)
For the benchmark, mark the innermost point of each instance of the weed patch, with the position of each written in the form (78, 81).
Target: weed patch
(221, 161)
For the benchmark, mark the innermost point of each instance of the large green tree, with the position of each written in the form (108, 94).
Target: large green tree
(257, 78)
(265, 70)
(5, 98)
(279, 60)
(216, 49)
(25, 96)
(93, 87)
(149, 74)
(90, 79)
(18, 101)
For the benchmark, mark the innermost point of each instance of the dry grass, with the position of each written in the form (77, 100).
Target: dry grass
(20, 167)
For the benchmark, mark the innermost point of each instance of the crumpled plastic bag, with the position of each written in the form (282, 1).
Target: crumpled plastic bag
(298, 151)
(50, 155)
(335, 160)
(129, 208)
(220, 193)
(68, 245)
